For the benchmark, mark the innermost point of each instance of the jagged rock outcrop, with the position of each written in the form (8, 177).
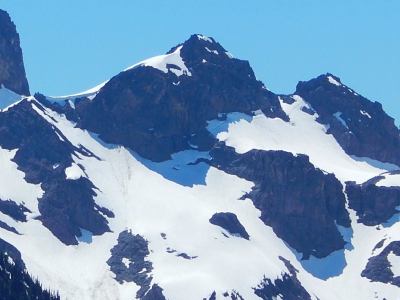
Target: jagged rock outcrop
(287, 287)
(155, 293)
(230, 222)
(378, 268)
(12, 209)
(360, 126)
(159, 112)
(129, 263)
(301, 203)
(373, 204)
(12, 70)
(44, 154)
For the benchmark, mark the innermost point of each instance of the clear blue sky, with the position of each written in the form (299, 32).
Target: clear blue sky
(70, 46)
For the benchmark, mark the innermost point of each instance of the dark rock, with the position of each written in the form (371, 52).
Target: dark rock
(155, 293)
(368, 131)
(65, 109)
(288, 287)
(133, 248)
(378, 267)
(8, 227)
(66, 204)
(373, 204)
(287, 99)
(300, 202)
(16, 283)
(230, 222)
(12, 209)
(12, 71)
(308, 110)
(12, 252)
(236, 296)
(105, 211)
(147, 110)
(213, 296)
(185, 255)
(379, 245)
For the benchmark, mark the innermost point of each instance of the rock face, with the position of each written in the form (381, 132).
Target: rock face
(373, 204)
(287, 287)
(230, 222)
(43, 154)
(378, 267)
(162, 106)
(360, 126)
(129, 263)
(12, 209)
(159, 112)
(12, 70)
(298, 201)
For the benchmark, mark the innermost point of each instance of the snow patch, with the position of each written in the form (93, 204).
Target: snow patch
(90, 93)
(126, 262)
(74, 172)
(212, 51)
(394, 261)
(161, 62)
(337, 115)
(389, 180)
(333, 81)
(204, 38)
(230, 55)
(365, 113)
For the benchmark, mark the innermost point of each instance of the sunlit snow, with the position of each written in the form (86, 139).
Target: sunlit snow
(177, 198)
(365, 113)
(394, 261)
(74, 172)
(212, 51)
(202, 37)
(389, 180)
(334, 81)
(161, 62)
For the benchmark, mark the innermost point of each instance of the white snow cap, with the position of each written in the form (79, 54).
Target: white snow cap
(204, 38)
(164, 62)
(333, 80)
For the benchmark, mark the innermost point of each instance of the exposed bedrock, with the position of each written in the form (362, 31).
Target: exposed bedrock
(360, 126)
(43, 153)
(12, 70)
(378, 267)
(156, 113)
(300, 202)
(230, 222)
(373, 204)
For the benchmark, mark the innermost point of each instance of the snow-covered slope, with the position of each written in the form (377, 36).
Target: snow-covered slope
(98, 213)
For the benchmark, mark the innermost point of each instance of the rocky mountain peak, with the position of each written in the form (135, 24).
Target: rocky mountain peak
(12, 71)
(161, 106)
(360, 126)
(202, 49)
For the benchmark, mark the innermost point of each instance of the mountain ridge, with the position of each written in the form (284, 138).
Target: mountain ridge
(184, 172)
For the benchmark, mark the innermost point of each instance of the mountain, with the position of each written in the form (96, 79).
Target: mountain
(12, 70)
(184, 177)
